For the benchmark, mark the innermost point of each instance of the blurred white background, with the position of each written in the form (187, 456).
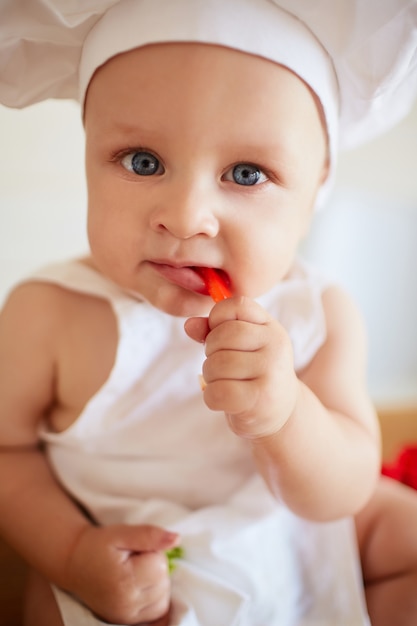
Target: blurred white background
(366, 238)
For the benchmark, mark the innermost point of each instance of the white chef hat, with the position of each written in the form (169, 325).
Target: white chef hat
(358, 56)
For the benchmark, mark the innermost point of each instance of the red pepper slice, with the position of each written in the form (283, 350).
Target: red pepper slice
(216, 284)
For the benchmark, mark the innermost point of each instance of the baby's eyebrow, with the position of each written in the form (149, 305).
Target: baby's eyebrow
(136, 130)
(273, 149)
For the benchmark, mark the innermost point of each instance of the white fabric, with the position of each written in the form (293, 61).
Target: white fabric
(147, 450)
(372, 44)
(232, 576)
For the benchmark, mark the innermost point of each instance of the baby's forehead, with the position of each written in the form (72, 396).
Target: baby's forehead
(199, 74)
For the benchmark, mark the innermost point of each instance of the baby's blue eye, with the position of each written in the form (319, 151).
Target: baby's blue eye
(141, 163)
(246, 174)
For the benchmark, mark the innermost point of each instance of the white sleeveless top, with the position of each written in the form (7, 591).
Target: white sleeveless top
(146, 449)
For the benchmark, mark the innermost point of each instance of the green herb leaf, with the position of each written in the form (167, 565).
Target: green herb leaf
(172, 555)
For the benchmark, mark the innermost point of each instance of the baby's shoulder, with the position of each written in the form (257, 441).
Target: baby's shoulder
(39, 308)
(32, 303)
(34, 297)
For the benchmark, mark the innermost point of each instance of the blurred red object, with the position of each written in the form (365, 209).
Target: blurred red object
(404, 467)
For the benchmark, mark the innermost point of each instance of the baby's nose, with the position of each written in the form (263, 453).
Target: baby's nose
(186, 212)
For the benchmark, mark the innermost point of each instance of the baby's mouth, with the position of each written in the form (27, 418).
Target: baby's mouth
(207, 281)
(216, 281)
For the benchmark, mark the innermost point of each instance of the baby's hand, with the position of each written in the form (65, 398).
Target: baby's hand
(121, 572)
(249, 371)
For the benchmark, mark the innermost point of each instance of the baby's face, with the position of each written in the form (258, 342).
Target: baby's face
(199, 155)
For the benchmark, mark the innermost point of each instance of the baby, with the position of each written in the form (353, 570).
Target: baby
(200, 153)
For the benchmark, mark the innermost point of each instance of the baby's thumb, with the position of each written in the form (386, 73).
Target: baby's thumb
(148, 538)
(197, 328)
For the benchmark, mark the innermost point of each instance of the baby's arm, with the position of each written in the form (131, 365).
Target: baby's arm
(120, 572)
(314, 437)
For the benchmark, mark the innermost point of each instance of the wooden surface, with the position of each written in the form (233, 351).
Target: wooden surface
(399, 427)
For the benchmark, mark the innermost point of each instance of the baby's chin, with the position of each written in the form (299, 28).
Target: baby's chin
(185, 304)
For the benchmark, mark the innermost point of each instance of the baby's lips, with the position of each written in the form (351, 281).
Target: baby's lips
(217, 283)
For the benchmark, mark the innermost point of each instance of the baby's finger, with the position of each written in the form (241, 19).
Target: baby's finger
(238, 308)
(239, 336)
(231, 396)
(152, 584)
(143, 538)
(233, 365)
(197, 328)
(151, 573)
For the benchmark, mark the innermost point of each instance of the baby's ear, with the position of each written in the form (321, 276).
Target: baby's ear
(197, 328)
